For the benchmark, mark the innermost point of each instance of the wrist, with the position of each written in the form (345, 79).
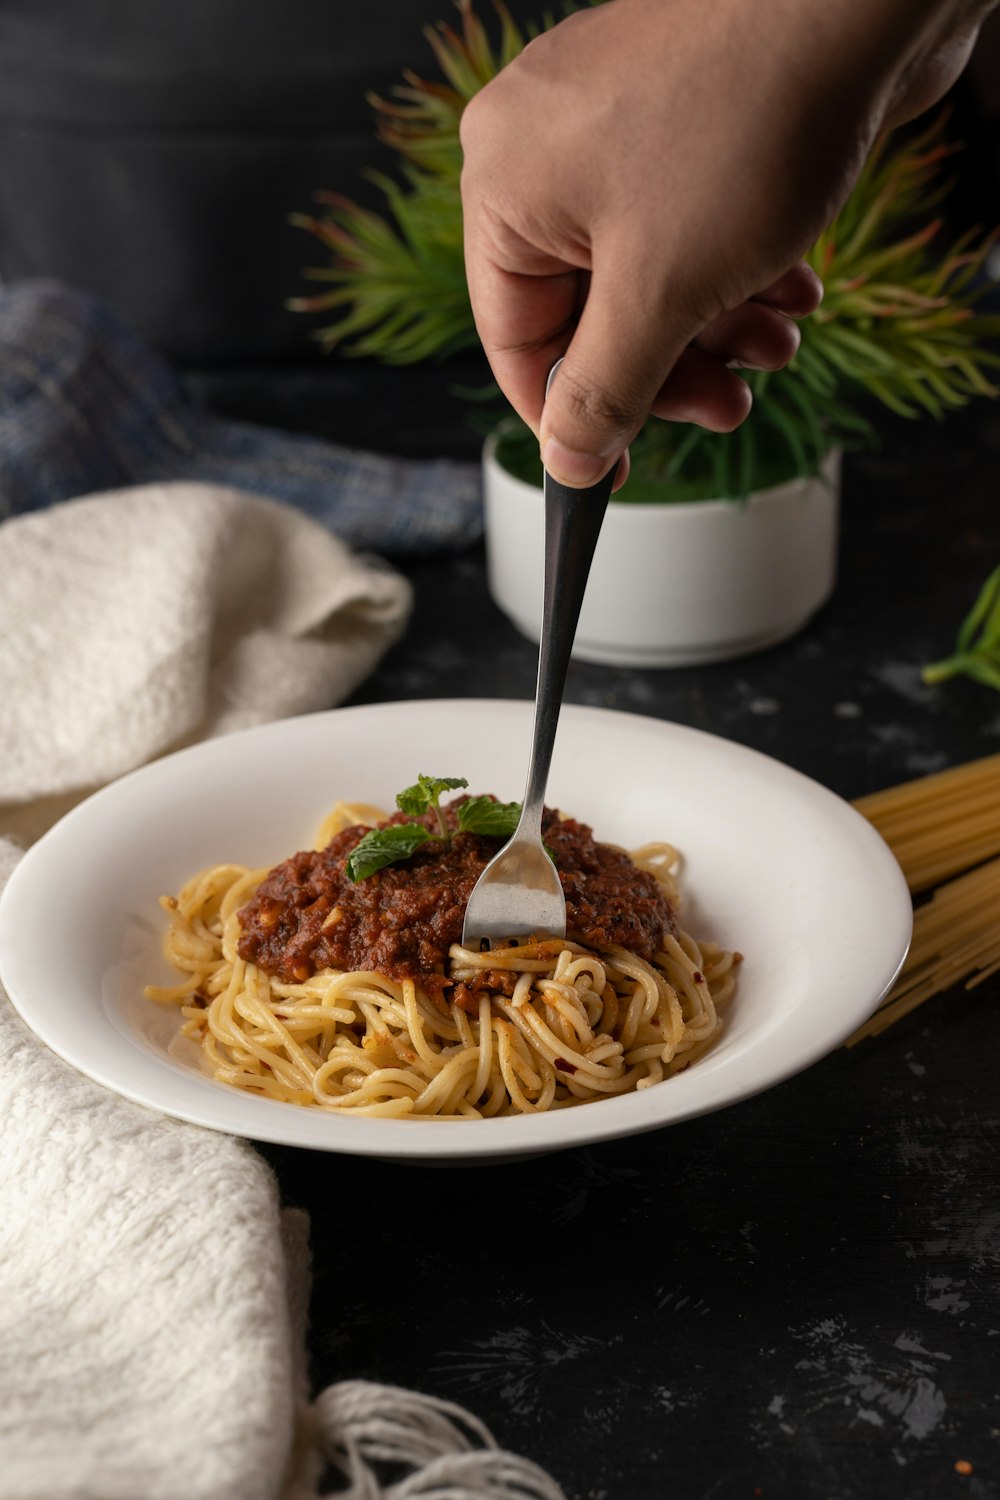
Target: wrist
(883, 43)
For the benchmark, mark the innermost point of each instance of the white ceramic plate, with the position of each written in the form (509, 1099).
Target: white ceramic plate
(775, 866)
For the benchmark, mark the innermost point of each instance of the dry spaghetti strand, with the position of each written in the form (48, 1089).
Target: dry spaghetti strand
(939, 826)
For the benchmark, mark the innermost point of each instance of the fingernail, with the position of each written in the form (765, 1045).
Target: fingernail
(569, 466)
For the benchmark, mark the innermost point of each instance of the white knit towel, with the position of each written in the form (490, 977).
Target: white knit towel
(134, 621)
(152, 1293)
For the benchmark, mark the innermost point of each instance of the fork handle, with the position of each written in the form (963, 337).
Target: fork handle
(572, 524)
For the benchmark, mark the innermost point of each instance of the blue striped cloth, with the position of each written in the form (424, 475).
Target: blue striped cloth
(86, 407)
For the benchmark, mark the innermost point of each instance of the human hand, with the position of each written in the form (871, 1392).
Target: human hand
(639, 187)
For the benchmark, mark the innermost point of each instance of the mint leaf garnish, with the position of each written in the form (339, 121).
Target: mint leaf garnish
(483, 815)
(385, 846)
(426, 793)
(391, 845)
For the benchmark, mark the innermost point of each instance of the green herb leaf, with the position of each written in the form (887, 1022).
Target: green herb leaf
(385, 846)
(425, 793)
(976, 655)
(483, 815)
(984, 616)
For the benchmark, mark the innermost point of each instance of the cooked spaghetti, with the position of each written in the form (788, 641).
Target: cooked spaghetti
(304, 986)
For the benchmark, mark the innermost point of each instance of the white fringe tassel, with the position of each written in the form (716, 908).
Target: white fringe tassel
(450, 1454)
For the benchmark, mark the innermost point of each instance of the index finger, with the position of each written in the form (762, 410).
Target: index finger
(525, 323)
(796, 294)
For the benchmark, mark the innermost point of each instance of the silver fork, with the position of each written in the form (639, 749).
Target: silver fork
(519, 893)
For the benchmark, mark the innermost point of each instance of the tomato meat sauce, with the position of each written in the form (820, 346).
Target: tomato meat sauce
(308, 915)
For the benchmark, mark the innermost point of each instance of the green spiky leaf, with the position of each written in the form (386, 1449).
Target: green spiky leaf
(977, 650)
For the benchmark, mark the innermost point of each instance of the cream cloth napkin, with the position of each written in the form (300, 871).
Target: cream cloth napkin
(152, 1293)
(135, 621)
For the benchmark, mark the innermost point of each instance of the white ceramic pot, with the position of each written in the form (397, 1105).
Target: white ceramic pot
(675, 584)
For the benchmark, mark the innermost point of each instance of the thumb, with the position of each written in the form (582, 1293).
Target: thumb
(602, 393)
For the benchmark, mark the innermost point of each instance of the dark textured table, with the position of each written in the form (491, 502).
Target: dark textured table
(796, 1298)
